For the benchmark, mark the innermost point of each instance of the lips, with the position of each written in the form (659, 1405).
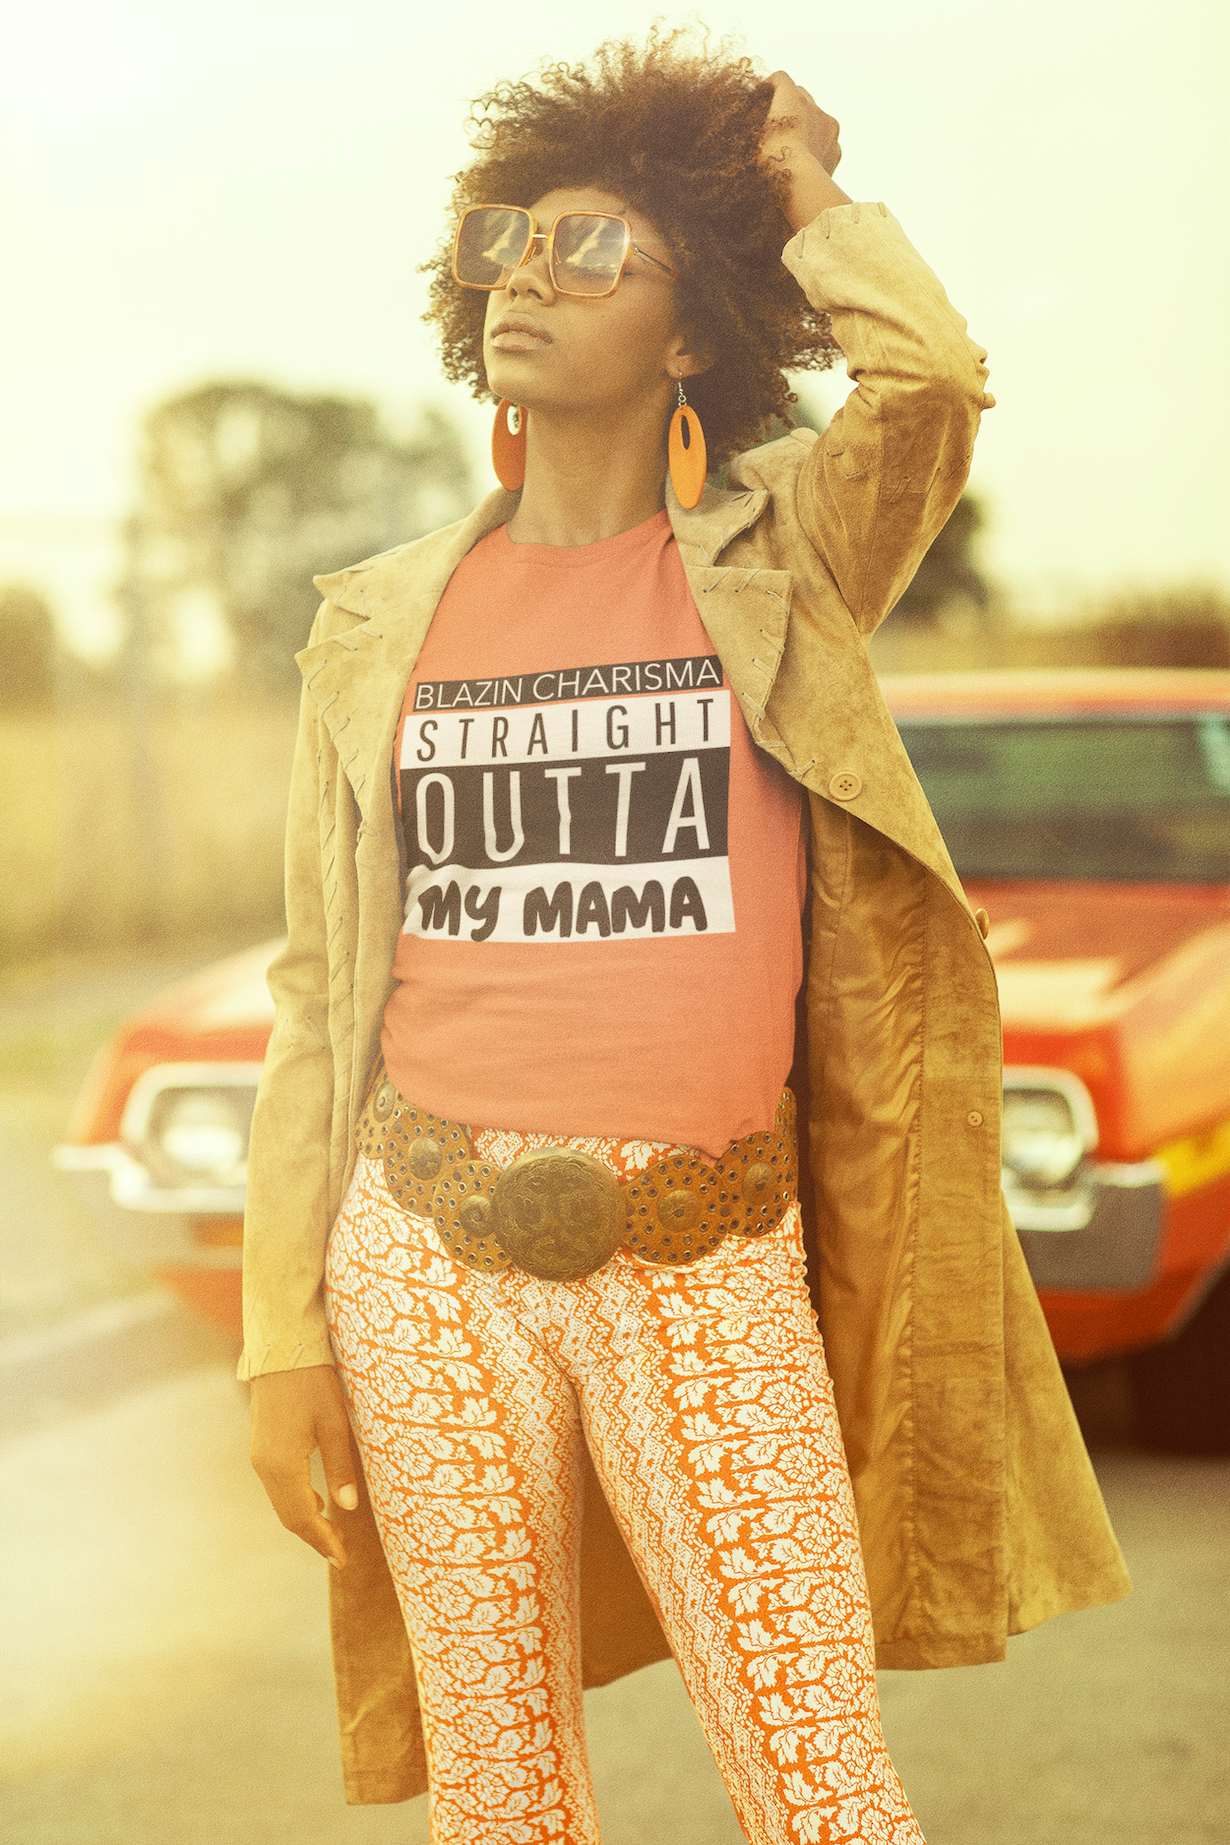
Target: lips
(518, 333)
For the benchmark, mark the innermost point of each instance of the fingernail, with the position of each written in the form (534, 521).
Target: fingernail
(333, 1563)
(347, 1498)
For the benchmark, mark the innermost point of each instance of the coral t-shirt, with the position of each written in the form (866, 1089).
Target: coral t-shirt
(605, 881)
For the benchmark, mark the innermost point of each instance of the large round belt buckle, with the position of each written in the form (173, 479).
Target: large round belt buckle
(559, 1213)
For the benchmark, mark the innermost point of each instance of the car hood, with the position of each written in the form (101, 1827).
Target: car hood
(1073, 954)
(226, 996)
(223, 1014)
(1126, 985)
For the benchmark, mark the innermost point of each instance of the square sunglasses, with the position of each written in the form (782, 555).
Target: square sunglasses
(587, 251)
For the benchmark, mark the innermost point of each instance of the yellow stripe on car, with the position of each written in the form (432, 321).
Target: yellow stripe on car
(1197, 1160)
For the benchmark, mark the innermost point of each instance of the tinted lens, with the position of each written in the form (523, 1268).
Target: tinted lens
(491, 241)
(588, 253)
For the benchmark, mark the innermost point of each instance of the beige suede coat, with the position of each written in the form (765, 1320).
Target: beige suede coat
(978, 1509)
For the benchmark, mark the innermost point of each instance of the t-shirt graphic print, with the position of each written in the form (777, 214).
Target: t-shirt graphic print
(572, 804)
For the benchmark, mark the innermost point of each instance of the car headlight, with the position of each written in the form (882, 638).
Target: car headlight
(1049, 1128)
(189, 1123)
(1040, 1143)
(202, 1132)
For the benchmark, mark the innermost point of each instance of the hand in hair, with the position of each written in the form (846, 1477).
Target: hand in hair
(801, 139)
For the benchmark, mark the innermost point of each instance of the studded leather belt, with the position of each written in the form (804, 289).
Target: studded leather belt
(559, 1213)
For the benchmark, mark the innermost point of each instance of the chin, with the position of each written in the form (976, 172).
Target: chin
(501, 385)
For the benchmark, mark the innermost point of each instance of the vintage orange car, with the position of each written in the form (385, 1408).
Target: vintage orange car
(1088, 813)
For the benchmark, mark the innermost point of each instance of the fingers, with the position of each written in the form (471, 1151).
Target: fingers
(784, 108)
(337, 1459)
(293, 1413)
(793, 107)
(301, 1510)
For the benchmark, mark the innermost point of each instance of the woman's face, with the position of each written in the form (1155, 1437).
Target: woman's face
(576, 353)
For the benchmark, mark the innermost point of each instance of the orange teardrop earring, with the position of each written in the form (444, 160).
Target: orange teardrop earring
(508, 445)
(686, 452)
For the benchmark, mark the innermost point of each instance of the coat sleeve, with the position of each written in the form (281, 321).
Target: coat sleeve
(286, 1222)
(881, 482)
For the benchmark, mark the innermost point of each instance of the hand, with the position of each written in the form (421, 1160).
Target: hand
(293, 1413)
(795, 118)
(802, 139)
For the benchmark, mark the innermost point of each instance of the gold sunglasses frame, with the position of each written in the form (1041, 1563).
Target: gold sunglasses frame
(547, 240)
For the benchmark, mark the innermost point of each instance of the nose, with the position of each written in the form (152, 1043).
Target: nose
(533, 275)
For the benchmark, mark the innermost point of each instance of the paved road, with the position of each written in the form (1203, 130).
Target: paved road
(165, 1677)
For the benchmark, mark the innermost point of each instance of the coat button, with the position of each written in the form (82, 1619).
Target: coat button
(845, 785)
(974, 1117)
(984, 923)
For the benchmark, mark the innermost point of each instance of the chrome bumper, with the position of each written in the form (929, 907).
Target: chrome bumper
(1107, 1236)
(148, 1225)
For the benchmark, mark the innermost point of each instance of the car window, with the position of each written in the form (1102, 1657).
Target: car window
(1110, 798)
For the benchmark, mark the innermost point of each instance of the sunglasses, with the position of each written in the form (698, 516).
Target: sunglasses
(587, 251)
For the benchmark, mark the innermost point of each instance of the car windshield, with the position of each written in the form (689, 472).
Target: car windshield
(1111, 797)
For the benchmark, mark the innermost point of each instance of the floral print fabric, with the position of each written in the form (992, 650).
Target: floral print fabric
(703, 1396)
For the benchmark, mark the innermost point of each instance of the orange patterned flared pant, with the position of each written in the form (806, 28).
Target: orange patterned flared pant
(702, 1394)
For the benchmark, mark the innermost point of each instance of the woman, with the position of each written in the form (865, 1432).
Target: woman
(581, 786)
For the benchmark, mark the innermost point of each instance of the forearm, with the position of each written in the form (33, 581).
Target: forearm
(889, 468)
(287, 1219)
(810, 189)
(891, 317)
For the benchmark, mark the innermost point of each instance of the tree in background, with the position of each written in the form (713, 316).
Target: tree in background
(948, 577)
(1186, 625)
(948, 580)
(246, 493)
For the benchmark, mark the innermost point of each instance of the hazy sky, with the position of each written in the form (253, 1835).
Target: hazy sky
(197, 189)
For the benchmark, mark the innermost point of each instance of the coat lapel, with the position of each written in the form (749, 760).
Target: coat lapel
(828, 716)
(745, 612)
(358, 676)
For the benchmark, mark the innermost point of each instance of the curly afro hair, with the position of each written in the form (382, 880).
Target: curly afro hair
(676, 133)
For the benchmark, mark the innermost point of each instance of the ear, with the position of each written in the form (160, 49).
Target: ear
(686, 357)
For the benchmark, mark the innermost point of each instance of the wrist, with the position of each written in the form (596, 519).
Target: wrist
(811, 187)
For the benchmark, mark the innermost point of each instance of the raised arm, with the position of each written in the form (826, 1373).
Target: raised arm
(882, 480)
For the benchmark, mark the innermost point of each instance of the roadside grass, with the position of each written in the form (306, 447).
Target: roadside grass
(119, 830)
(137, 848)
